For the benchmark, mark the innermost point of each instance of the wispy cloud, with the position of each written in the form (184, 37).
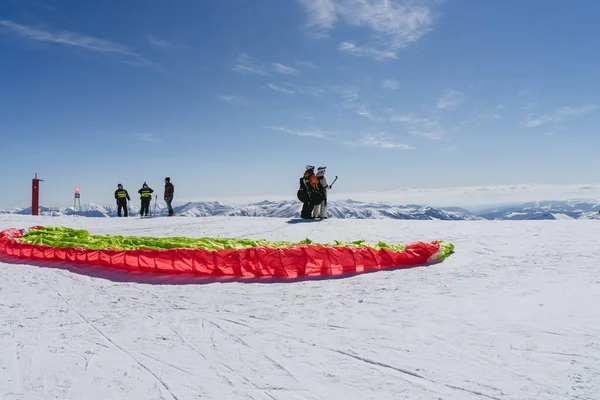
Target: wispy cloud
(421, 127)
(360, 51)
(431, 135)
(484, 116)
(307, 65)
(148, 137)
(318, 134)
(122, 53)
(531, 104)
(363, 111)
(394, 24)
(380, 140)
(390, 84)
(284, 69)
(308, 90)
(154, 41)
(249, 65)
(280, 89)
(231, 99)
(350, 98)
(245, 64)
(561, 114)
(322, 13)
(349, 95)
(449, 99)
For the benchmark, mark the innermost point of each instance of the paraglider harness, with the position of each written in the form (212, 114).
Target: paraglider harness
(309, 194)
(306, 193)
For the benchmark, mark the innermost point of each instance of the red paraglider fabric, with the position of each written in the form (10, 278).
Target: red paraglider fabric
(287, 262)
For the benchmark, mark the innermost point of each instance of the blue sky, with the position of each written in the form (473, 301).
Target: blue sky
(424, 100)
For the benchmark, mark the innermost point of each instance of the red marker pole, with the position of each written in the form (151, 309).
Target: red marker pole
(35, 195)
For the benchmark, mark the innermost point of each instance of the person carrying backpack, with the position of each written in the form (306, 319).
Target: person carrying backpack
(320, 210)
(121, 196)
(146, 196)
(309, 185)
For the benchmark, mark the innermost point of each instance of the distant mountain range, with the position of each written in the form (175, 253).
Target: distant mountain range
(544, 210)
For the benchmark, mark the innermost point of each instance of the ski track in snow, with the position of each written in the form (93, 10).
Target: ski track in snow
(512, 315)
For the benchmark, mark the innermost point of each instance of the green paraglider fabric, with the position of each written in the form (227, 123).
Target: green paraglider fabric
(57, 236)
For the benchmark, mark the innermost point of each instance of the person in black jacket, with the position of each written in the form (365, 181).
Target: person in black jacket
(122, 196)
(146, 196)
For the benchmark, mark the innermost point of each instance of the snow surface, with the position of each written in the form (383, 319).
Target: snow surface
(513, 314)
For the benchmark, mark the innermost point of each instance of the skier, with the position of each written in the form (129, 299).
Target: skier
(146, 196)
(169, 192)
(121, 196)
(320, 210)
(308, 187)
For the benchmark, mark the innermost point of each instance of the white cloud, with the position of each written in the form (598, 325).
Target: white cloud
(154, 41)
(380, 140)
(351, 101)
(390, 84)
(248, 65)
(122, 53)
(307, 65)
(245, 64)
(231, 99)
(359, 51)
(394, 24)
(280, 89)
(431, 135)
(561, 114)
(308, 90)
(531, 104)
(421, 127)
(348, 94)
(284, 69)
(317, 134)
(363, 111)
(483, 117)
(449, 100)
(322, 12)
(148, 137)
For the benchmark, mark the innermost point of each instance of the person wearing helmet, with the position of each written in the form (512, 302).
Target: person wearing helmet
(169, 192)
(308, 186)
(320, 210)
(146, 196)
(121, 196)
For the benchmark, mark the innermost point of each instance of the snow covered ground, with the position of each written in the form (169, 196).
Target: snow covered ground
(513, 314)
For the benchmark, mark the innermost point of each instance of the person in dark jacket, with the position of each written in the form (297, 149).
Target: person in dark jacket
(121, 196)
(169, 192)
(146, 196)
(308, 186)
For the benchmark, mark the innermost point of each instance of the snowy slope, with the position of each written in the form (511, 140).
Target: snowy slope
(512, 315)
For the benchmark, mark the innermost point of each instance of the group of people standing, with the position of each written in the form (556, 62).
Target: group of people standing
(313, 193)
(122, 196)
